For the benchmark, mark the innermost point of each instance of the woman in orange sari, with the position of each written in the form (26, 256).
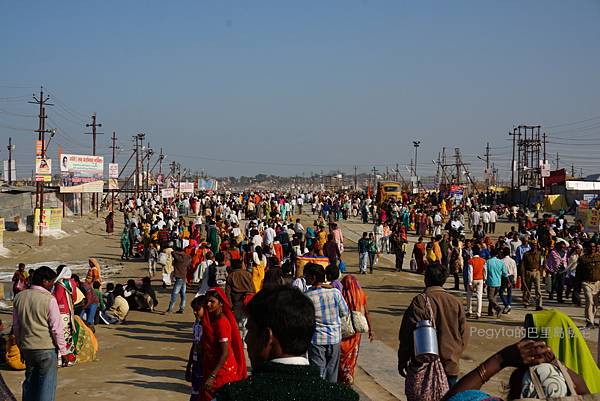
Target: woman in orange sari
(223, 359)
(356, 299)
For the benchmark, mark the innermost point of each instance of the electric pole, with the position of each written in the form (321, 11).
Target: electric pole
(42, 102)
(94, 125)
(512, 166)
(416, 145)
(149, 154)
(487, 165)
(114, 149)
(573, 170)
(139, 140)
(557, 159)
(374, 179)
(355, 178)
(10, 148)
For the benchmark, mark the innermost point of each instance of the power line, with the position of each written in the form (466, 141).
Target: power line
(574, 122)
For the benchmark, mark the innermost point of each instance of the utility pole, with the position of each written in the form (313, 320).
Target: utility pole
(160, 158)
(150, 152)
(355, 178)
(544, 146)
(178, 180)
(374, 179)
(139, 140)
(557, 159)
(94, 125)
(114, 149)
(487, 165)
(416, 145)
(39, 193)
(512, 165)
(457, 164)
(397, 172)
(10, 148)
(573, 170)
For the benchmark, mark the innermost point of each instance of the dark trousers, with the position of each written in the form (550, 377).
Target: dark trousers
(399, 260)
(371, 261)
(492, 293)
(504, 287)
(558, 284)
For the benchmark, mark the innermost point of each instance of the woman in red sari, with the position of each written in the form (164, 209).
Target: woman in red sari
(419, 254)
(356, 299)
(223, 359)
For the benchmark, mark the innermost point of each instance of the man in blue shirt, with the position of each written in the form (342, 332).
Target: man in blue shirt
(330, 308)
(496, 269)
(524, 247)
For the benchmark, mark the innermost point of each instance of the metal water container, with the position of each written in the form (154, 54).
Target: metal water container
(425, 342)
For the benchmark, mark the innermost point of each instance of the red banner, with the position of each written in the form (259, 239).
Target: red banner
(556, 177)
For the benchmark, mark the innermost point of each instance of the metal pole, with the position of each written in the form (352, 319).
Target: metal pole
(10, 149)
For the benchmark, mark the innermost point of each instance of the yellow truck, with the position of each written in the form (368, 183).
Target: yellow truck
(387, 190)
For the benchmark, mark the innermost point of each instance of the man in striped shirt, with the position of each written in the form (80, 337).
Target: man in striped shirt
(330, 307)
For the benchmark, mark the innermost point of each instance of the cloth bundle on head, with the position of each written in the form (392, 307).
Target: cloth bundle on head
(552, 381)
(569, 346)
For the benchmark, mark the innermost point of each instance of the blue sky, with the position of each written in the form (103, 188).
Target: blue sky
(240, 87)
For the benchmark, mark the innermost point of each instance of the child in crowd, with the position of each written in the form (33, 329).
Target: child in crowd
(99, 295)
(152, 259)
(193, 372)
(117, 313)
(108, 296)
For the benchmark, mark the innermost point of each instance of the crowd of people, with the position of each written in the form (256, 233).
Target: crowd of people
(266, 285)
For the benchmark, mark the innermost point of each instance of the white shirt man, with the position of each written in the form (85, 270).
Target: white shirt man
(493, 216)
(475, 218)
(269, 236)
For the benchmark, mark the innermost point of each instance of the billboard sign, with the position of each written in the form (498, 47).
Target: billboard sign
(81, 173)
(186, 187)
(43, 169)
(13, 172)
(113, 170)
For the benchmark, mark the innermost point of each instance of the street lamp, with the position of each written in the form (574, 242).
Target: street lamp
(416, 145)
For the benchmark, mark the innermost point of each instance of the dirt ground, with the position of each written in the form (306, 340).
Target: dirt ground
(146, 357)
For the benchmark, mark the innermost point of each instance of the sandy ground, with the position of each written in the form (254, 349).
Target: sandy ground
(146, 357)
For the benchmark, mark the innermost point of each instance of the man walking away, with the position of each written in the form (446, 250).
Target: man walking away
(475, 278)
(181, 263)
(508, 282)
(363, 253)
(330, 307)
(39, 332)
(496, 271)
(588, 275)
(238, 286)
(450, 325)
(531, 267)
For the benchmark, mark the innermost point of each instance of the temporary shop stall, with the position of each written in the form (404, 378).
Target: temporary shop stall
(554, 203)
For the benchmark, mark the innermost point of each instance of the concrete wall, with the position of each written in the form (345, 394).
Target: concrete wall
(18, 206)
